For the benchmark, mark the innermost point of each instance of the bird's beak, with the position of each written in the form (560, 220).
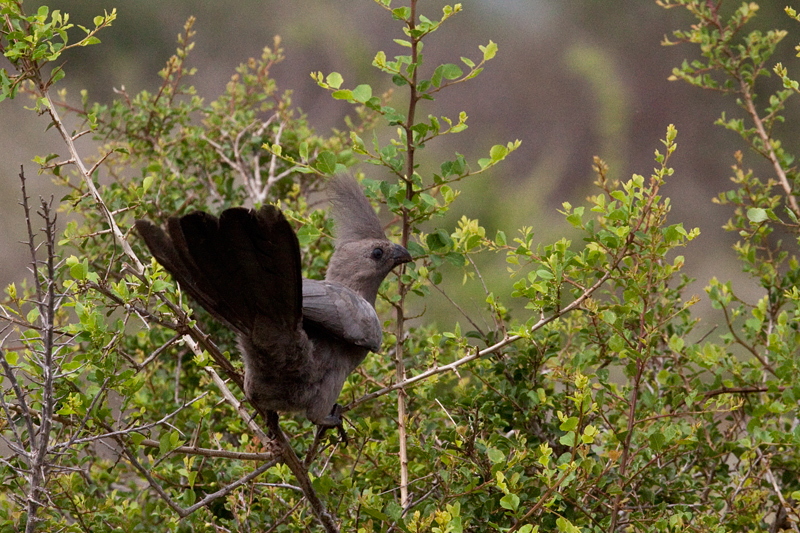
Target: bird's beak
(401, 255)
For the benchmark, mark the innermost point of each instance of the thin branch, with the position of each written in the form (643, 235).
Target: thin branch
(87, 178)
(238, 407)
(300, 473)
(184, 512)
(481, 353)
(765, 139)
(460, 310)
(115, 434)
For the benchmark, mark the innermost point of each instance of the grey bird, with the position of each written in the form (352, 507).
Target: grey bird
(299, 338)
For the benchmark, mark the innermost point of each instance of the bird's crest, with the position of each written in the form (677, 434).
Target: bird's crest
(355, 217)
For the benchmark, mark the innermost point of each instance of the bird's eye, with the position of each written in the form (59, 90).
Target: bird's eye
(377, 253)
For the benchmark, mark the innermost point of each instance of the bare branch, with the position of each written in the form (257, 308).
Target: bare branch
(481, 353)
(87, 178)
(770, 151)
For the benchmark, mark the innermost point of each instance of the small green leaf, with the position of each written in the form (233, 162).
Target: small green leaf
(334, 79)
(510, 502)
(757, 215)
(307, 234)
(323, 484)
(489, 50)
(401, 13)
(498, 153)
(439, 241)
(79, 270)
(12, 358)
(375, 513)
(495, 455)
(609, 317)
(326, 163)
(343, 94)
(451, 72)
(362, 93)
(569, 424)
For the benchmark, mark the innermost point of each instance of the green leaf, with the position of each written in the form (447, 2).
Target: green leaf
(79, 270)
(12, 358)
(323, 484)
(498, 153)
(303, 150)
(164, 444)
(137, 438)
(401, 13)
(362, 93)
(447, 71)
(415, 249)
(343, 94)
(757, 215)
(495, 455)
(307, 234)
(326, 163)
(451, 71)
(439, 241)
(334, 79)
(569, 424)
(436, 79)
(89, 41)
(510, 502)
(489, 50)
(609, 317)
(375, 513)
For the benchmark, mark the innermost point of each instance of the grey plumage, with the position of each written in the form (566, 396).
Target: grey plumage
(299, 338)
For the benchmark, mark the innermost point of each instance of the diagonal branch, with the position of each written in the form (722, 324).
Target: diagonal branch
(768, 148)
(87, 178)
(486, 351)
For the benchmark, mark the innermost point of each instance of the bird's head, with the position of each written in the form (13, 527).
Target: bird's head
(363, 255)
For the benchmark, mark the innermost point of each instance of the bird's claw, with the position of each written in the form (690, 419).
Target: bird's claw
(334, 420)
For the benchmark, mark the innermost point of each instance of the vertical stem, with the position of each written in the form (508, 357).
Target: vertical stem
(403, 289)
(41, 445)
(626, 446)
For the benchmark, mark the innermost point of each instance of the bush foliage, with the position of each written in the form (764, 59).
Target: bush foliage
(602, 407)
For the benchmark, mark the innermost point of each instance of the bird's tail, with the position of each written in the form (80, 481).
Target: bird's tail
(243, 267)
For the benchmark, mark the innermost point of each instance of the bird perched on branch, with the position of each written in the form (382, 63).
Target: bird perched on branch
(299, 338)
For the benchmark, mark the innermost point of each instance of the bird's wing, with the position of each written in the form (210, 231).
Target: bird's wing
(343, 312)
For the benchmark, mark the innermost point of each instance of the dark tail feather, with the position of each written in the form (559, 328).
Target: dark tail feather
(241, 266)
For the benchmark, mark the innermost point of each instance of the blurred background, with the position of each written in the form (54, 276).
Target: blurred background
(572, 79)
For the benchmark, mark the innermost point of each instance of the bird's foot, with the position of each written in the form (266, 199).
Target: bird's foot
(333, 420)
